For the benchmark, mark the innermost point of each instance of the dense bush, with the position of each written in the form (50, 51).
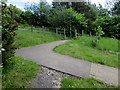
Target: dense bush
(109, 25)
(9, 25)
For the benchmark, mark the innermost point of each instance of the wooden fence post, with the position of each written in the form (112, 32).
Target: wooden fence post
(56, 31)
(64, 34)
(75, 33)
(90, 34)
(42, 28)
(82, 32)
(31, 28)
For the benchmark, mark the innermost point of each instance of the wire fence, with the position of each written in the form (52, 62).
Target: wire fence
(33, 28)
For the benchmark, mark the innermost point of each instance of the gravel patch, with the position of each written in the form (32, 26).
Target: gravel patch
(48, 78)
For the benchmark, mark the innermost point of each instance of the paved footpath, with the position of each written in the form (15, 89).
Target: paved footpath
(44, 55)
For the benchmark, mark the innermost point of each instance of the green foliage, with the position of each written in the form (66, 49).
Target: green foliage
(116, 8)
(9, 25)
(90, 11)
(84, 83)
(63, 18)
(105, 52)
(109, 25)
(99, 32)
(102, 11)
(19, 73)
(85, 8)
(28, 17)
(38, 14)
(56, 18)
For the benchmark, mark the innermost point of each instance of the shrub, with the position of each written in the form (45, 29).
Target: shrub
(9, 25)
(110, 25)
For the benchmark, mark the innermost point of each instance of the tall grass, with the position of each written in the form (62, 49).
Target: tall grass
(103, 44)
(19, 73)
(84, 83)
(27, 38)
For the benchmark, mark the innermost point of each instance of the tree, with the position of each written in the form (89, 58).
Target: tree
(116, 8)
(9, 25)
(102, 11)
(17, 12)
(63, 18)
(27, 17)
(110, 25)
(39, 13)
(56, 18)
(89, 10)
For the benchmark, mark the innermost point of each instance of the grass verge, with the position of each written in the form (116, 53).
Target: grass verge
(19, 73)
(26, 38)
(82, 48)
(84, 83)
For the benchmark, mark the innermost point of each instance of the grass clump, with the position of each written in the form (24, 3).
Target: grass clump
(84, 83)
(18, 73)
(26, 38)
(103, 44)
(82, 48)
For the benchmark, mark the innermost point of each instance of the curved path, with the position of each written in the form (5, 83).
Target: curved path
(43, 54)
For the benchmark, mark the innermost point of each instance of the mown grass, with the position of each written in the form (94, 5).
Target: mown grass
(25, 37)
(19, 73)
(82, 48)
(84, 83)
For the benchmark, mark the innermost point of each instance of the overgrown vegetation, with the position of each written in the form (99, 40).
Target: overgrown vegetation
(67, 17)
(18, 73)
(79, 15)
(9, 25)
(84, 83)
(34, 38)
(109, 25)
(105, 52)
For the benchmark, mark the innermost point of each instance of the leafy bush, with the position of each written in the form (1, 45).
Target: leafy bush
(9, 25)
(109, 25)
(99, 32)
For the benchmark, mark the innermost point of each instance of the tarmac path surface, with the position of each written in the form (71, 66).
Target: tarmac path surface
(44, 55)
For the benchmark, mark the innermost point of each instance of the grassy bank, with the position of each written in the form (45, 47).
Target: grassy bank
(105, 52)
(19, 73)
(25, 37)
(84, 83)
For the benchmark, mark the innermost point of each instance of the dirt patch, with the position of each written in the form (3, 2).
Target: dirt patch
(48, 78)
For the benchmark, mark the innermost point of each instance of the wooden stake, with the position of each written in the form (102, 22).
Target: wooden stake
(82, 32)
(31, 28)
(56, 31)
(90, 34)
(64, 33)
(75, 33)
